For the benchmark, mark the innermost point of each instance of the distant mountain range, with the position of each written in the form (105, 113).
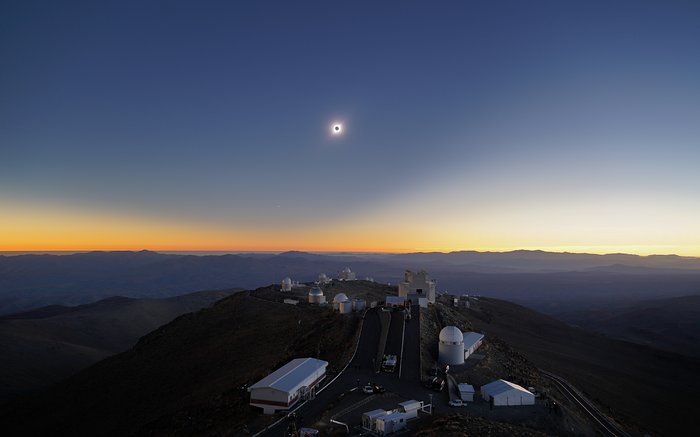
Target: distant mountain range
(47, 344)
(550, 282)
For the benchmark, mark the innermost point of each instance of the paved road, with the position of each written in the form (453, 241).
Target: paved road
(395, 338)
(410, 364)
(606, 426)
(360, 368)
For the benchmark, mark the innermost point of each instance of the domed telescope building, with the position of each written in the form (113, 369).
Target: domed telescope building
(316, 296)
(451, 346)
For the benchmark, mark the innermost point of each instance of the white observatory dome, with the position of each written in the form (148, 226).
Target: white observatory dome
(287, 281)
(315, 291)
(451, 335)
(451, 346)
(340, 297)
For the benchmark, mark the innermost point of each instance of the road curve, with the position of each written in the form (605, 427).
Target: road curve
(606, 425)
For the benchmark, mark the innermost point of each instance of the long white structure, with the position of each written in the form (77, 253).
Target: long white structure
(284, 387)
(472, 341)
(451, 346)
(417, 285)
(386, 422)
(505, 393)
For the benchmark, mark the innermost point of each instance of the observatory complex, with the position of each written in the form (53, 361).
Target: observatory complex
(347, 275)
(416, 286)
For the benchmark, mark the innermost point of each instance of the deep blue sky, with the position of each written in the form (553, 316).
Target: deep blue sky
(472, 117)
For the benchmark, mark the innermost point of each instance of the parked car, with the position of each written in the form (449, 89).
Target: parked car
(368, 389)
(379, 389)
(457, 403)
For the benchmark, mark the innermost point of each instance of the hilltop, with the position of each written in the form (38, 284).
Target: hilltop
(188, 376)
(185, 377)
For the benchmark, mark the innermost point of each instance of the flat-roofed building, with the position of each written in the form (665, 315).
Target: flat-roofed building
(369, 419)
(284, 387)
(410, 408)
(391, 423)
(472, 341)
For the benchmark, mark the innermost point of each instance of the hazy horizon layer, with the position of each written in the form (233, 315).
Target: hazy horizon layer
(340, 253)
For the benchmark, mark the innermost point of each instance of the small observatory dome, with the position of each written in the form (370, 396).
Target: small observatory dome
(316, 295)
(451, 346)
(340, 297)
(451, 335)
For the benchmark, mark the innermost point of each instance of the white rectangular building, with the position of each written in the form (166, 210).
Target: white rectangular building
(410, 408)
(505, 393)
(392, 422)
(284, 387)
(369, 419)
(466, 392)
(472, 341)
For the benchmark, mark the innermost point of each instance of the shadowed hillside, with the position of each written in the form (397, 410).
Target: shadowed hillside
(185, 377)
(639, 384)
(48, 344)
(669, 324)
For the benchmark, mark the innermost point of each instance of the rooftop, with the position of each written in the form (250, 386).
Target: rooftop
(471, 338)
(290, 376)
(500, 386)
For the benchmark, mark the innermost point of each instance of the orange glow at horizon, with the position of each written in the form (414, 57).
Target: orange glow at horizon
(31, 228)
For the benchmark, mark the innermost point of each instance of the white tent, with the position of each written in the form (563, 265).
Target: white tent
(503, 392)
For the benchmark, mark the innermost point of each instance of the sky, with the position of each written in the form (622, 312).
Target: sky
(474, 125)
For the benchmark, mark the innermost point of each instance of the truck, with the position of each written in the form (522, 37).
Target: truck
(389, 363)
